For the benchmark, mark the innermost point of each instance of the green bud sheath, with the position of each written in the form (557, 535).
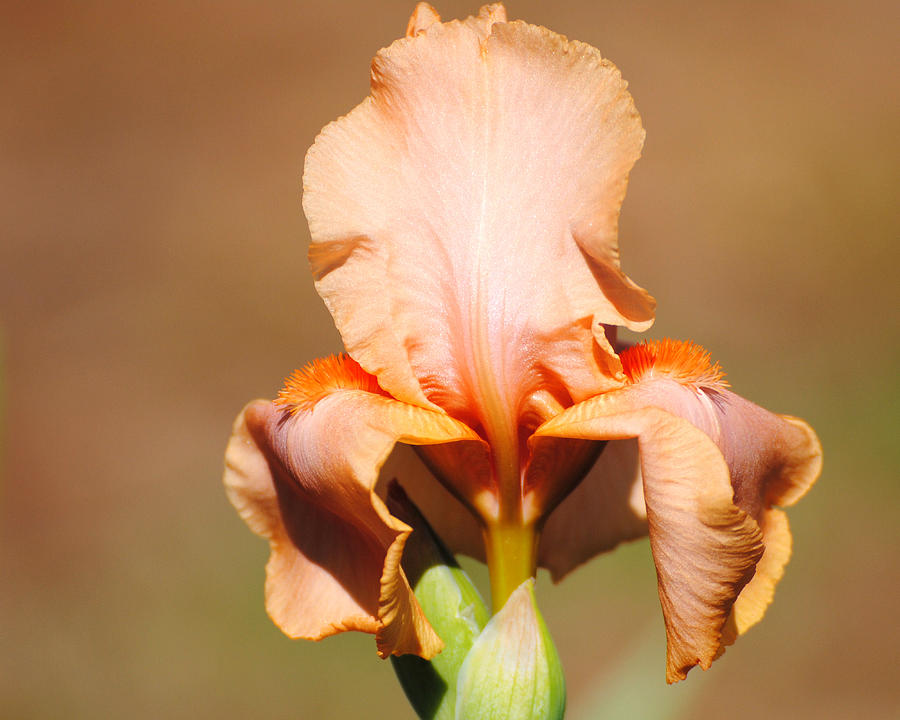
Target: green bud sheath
(512, 671)
(450, 602)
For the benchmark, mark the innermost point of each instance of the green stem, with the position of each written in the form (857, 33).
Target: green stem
(511, 557)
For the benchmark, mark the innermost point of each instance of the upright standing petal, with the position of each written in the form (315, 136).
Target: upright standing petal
(464, 218)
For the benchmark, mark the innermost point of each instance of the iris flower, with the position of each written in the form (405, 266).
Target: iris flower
(464, 238)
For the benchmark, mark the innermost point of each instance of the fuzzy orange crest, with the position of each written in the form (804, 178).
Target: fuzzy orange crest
(680, 360)
(323, 376)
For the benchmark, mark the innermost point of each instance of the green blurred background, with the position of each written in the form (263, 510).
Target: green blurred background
(153, 278)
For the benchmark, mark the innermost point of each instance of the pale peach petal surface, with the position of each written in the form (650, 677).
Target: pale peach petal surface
(464, 217)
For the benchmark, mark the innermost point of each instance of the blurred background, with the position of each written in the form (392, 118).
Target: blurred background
(153, 278)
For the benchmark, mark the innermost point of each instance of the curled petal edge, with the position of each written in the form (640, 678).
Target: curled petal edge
(705, 548)
(306, 482)
(770, 460)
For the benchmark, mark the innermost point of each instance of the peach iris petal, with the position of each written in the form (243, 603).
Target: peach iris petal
(423, 17)
(335, 548)
(757, 595)
(772, 459)
(704, 546)
(464, 219)
(713, 464)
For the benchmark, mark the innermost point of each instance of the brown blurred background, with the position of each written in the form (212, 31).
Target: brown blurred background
(153, 278)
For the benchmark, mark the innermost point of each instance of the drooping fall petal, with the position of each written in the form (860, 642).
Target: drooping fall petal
(704, 546)
(303, 476)
(713, 464)
(464, 218)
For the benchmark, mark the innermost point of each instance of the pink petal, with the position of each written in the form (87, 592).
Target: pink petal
(464, 218)
(305, 480)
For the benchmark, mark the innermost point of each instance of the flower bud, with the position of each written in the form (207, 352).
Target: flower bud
(512, 671)
(452, 605)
